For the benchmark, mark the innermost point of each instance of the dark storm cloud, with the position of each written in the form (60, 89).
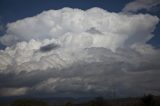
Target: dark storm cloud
(26, 78)
(49, 47)
(91, 78)
(94, 31)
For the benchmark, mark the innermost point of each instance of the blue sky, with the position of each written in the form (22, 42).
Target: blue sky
(18, 9)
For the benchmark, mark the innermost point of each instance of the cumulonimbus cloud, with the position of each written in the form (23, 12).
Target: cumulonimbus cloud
(75, 46)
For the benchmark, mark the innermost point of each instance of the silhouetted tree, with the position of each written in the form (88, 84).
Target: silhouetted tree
(148, 100)
(69, 104)
(98, 101)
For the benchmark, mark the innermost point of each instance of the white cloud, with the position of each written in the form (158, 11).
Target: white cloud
(73, 30)
(140, 4)
(72, 23)
(27, 56)
(71, 50)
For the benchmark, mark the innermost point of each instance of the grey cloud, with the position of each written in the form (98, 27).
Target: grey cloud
(49, 47)
(137, 5)
(99, 78)
(93, 30)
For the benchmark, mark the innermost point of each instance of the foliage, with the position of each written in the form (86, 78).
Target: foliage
(148, 100)
(69, 104)
(98, 101)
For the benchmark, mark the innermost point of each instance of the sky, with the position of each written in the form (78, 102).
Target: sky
(79, 48)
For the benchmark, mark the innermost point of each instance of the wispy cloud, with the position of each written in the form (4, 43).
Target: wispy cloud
(140, 4)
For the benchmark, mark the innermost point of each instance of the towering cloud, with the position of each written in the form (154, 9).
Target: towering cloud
(71, 51)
